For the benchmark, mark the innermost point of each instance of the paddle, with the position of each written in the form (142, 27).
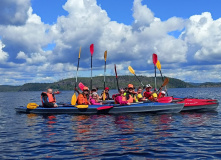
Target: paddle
(115, 68)
(154, 56)
(166, 81)
(105, 58)
(116, 105)
(104, 107)
(81, 86)
(92, 52)
(74, 98)
(159, 68)
(81, 106)
(133, 72)
(32, 105)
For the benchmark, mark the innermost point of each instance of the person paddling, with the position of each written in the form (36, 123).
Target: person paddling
(107, 95)
(148, 92)
(154, 97)
(94, 99)
(139, 94)
(94, 90)
(120, 98)
(162, 94)
(48, 99)
(83, 97)
(130, 95)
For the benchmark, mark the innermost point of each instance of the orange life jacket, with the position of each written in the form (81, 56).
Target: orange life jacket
(82, 99)
(130, 99)
(51, 98)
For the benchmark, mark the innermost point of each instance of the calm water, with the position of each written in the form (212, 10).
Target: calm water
(187, 135)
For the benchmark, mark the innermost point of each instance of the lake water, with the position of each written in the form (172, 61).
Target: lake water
(185, 135)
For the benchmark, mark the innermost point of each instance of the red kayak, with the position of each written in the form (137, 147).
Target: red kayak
(197, 104)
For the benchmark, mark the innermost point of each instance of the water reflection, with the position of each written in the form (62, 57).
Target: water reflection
(163, 125)
(197, 118)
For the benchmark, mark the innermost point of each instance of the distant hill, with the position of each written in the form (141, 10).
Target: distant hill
(68, 84)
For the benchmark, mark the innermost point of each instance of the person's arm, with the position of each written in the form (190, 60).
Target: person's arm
(93, 102)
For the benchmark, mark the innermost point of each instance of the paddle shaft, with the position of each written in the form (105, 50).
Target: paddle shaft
(77, 72)
(139, 80)
(115, 67)
(104, 72)
(163, 80)
(91, 71)
(155, 77)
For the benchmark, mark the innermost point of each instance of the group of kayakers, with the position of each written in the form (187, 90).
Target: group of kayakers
(129, 95)
(126, 96)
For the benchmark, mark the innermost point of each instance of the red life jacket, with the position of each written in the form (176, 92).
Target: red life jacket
(147, 94)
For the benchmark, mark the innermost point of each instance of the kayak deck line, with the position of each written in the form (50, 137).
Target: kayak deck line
(108, 108)
(195, 104)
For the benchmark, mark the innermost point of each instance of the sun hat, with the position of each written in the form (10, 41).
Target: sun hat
(154, 95)
(163, 92)
(130, 86)
(94, 94)
(85, 88)
(148, 86)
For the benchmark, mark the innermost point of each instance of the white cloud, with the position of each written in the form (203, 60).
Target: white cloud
(21, 55)
(3, 55)
(126, 45)
(14, 12)
(143, 16)
(203, 35)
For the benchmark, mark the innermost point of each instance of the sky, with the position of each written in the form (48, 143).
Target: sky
(40, 39)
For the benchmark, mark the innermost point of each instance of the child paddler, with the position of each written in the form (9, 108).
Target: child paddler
(83, 97)
(107, 95)
(120, 98)
(139, 94)
(147, 94)
(94, 100)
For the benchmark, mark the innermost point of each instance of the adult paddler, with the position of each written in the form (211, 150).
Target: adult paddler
(130, 96)
(48, 99)
(83, 97)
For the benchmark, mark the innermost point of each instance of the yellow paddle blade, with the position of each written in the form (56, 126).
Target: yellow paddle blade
(131, 70)
(32, 105)
(73, 99)
(166, 81)
(104, 96)
(79, 52)
(81, 106)
(105, 55)
(158, 65)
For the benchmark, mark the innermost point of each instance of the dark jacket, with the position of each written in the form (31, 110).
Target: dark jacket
(45, 102)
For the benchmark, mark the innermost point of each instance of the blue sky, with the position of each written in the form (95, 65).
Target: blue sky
(121, 10)
(40, 39)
